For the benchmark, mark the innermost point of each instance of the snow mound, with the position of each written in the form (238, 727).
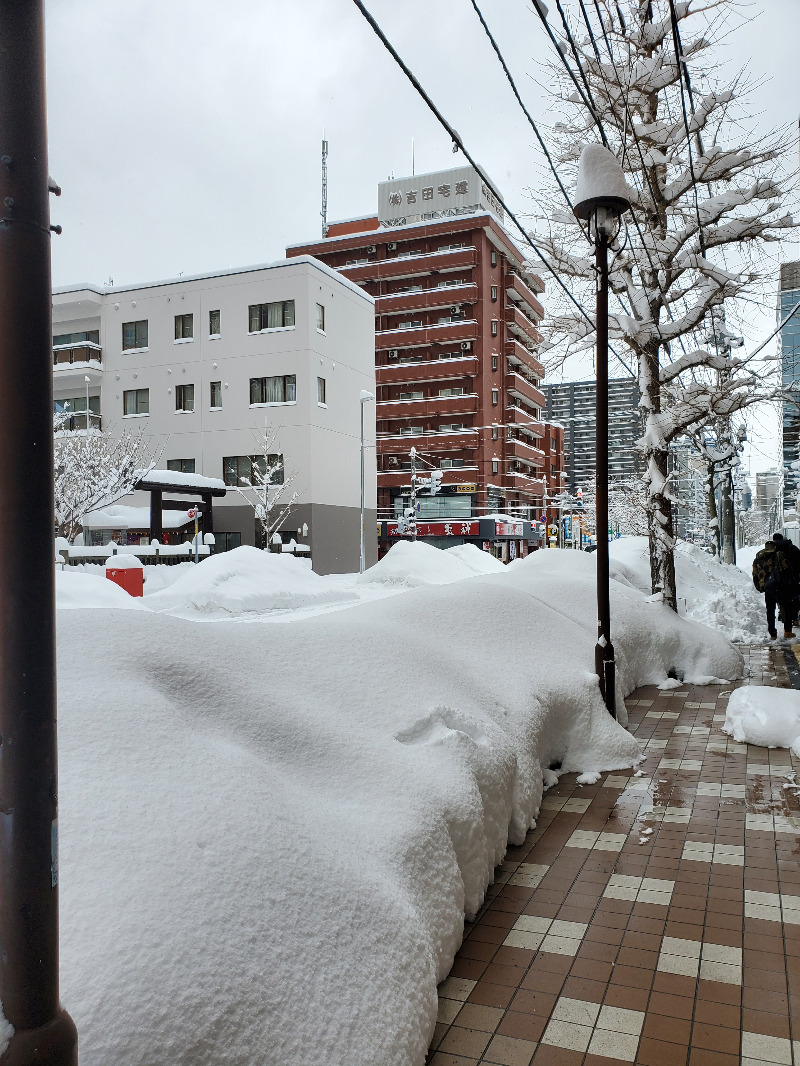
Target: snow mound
(245, 581)
(414, 563)
(280, 831)
(479, 562)
(75, 591)
(717, 595)
(769, 717)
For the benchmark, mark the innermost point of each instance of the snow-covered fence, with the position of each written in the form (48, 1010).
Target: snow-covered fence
(149, 554)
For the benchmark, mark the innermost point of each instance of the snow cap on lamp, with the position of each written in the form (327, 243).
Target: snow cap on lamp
(601, 183)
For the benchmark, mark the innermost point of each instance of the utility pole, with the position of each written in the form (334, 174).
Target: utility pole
(324, 211)
(411, 524)
(44, 1035)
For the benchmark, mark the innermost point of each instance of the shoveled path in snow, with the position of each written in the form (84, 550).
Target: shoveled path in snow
(653, 920)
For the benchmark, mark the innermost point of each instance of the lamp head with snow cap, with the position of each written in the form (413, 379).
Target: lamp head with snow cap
(602, 195)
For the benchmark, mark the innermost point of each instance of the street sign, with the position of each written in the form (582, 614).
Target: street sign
(192, 513)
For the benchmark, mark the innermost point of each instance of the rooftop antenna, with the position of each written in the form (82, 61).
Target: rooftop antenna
(324, 211)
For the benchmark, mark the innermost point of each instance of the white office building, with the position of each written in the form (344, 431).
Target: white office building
(201, 364)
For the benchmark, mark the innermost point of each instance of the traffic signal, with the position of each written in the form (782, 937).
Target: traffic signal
(436, 481)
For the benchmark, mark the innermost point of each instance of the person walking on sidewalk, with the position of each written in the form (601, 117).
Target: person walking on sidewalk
(792, 553)
(773, 576)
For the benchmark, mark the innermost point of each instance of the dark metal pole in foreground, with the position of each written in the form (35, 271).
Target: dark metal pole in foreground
(44, 1034)
(604, 649)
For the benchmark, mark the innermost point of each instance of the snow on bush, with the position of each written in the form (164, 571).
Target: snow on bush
(720, 596)
(270, 837)
(414, 563)
(769, 717)
(245, 581)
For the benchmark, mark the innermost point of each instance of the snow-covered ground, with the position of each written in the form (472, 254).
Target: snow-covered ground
(271, 834)
(722, 597)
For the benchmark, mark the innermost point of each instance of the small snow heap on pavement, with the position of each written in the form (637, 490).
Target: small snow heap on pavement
(769, 717)
(414, 563)
(245, 581)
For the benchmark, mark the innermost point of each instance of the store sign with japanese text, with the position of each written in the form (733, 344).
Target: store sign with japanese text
(508, 529)
(455, 528)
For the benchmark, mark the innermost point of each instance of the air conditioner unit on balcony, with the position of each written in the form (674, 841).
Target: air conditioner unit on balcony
(393, 460)
(371, 249)
(391, 246)
(466, 346)
(455, 309)
(393, 353)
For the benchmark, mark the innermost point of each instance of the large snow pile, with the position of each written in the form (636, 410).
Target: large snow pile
(245, 581)
(270, 837)
(710, 592)
(414, 563)
(78, 590)
(769, 717)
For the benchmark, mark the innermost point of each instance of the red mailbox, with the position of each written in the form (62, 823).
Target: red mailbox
(128, 572)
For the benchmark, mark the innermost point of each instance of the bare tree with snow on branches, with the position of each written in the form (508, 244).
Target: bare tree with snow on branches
(93, 470)
(266, 485)
(705, 205)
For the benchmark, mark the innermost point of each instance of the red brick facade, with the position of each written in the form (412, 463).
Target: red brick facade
(458, 377)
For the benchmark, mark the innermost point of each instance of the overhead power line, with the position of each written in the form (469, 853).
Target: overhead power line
(455, 137)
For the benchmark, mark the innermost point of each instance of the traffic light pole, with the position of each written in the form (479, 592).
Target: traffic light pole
(44, 1035)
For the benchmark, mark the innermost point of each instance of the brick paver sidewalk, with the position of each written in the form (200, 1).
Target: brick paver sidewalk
(651, 919)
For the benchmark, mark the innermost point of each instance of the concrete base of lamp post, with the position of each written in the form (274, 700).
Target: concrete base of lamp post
(53, 1044)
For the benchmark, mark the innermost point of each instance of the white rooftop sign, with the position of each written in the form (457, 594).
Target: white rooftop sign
(459, 191)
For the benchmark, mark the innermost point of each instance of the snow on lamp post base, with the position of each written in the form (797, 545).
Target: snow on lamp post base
(602, 196)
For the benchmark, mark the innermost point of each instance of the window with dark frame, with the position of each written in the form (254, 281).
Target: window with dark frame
(493, 292)
(184, 327)
(213, 323)
(495, 397)
(321, 390)
(216, 394)
(494, 362)
(244, 469)
(494, 432)
(278, 315)
(320, 318)
(494, 258)
(495, 466)
(181, 466)
(136, 402)
(281, 388)
(134, 335)
(494, 327)
(225, 542)
(184, 398)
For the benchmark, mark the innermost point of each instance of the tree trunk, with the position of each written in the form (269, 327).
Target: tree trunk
(712, 512)
(659, 506)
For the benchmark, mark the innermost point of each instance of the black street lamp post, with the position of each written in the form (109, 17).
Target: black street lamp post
(44, 1034)
(602, 197)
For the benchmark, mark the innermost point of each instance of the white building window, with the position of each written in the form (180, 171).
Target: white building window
(321, 391)
(134, 335)
(136, 402)
(279, 315)
(184, 327)
(213, 323)
(320, 318)
(216, 395)
(279, 389)
(184, 397)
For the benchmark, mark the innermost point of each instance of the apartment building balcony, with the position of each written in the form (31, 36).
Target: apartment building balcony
(462, 330)
(525, 450)
(412, 266)
(74, 362)
(514, 479)
(75, 422)
(519, 292)
(523, 389)
(399, 373)
(521, 326)
(401, 478)
(426, 299)
(433, 441)
(519, 354)
(519, 416)
(429, 407)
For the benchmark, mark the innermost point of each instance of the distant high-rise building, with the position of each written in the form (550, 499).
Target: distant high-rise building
(768, 486)
(573, 405)
(790, 364)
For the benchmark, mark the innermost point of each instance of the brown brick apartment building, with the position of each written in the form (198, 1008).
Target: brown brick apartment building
(457, 312)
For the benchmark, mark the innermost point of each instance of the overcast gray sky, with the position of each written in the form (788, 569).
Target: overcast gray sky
(186, 133)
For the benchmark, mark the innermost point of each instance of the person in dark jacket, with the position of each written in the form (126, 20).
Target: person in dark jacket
(773, 576)
(792, 553)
